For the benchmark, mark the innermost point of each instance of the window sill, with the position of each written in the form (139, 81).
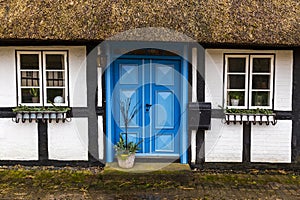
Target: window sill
(250, 118)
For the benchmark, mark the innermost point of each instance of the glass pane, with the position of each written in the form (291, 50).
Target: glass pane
(30, 78)
(55, 78)
(237, 65)
(236, 98)
(52, 93)
(29, 61)
(260, 98)
(236, 82)
(30, 95)
(261, 65)
(260, 82)
(55, 61)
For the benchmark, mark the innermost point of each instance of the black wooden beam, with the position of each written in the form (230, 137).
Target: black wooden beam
(296, 107)
(43, 140)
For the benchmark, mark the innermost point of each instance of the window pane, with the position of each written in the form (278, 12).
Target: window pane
(237, 65)
(52, 93)
(236, 82)
(29, 61)
(30, 78)
(55, 78)
(55, 61)
(261, 65)
(30, 95)
(260, 98)
(236, 98)
(261, 82)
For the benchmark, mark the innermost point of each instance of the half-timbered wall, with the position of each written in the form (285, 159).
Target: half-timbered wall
(64, 141)
(224, 143)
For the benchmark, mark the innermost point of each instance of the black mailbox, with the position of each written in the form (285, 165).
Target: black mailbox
(199, 115)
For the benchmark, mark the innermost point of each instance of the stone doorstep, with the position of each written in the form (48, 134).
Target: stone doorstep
(144, 167)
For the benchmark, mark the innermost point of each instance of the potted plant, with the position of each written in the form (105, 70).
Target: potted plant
(34, 95)
(235, 97)
(125, 151)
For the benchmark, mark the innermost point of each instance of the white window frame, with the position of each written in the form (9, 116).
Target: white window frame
(271, 74)
(248, 79)
(236, 73)
(42, 77)
(19, 70)
(45, 77)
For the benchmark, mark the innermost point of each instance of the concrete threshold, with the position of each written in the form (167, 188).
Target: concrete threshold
(143, 167)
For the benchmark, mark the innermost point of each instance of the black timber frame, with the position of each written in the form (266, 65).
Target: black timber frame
(293, 115)
(296, 107)
(91, 112)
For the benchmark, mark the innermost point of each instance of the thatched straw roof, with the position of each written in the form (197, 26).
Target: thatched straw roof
(262, 22)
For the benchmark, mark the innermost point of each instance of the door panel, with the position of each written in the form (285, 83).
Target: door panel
(164, 110)
(166, 100)
(155, 86)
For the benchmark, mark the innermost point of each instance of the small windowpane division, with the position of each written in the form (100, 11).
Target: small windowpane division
(30, 78)
(55, 78)
(261, 65)
(29, 61)
(236, 65)
(30, 95)
(55, 62)
(52, 93)
(236, 79)
(260, 98)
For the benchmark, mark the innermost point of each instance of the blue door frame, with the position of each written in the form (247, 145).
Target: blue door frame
(183, 87)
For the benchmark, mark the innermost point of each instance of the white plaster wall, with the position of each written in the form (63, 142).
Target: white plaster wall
(283, 80)
(214, 87)
(100, 138)
(214, 77)
(68, 141)
(18, 141)
(8, 93)
(223, 143)
(77, 77)
(272, 143)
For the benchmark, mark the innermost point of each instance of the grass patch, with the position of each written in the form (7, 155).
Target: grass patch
(39, 180)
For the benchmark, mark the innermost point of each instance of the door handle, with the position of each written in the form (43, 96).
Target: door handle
(148, 106)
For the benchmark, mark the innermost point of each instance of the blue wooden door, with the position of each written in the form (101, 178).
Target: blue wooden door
(153, 85)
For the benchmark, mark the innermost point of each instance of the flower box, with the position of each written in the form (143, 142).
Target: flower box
(250, 118)
(24, 113)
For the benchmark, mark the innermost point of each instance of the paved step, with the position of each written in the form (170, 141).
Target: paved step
(142, 167)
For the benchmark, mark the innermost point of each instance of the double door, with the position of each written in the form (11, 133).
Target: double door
(153, 88)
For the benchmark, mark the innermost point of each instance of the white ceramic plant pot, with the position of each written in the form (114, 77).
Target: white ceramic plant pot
(26, 116)
(126, 161)
(235, 102)
(53, 116)
(39, 116)
(19, 116)
(60, 115)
